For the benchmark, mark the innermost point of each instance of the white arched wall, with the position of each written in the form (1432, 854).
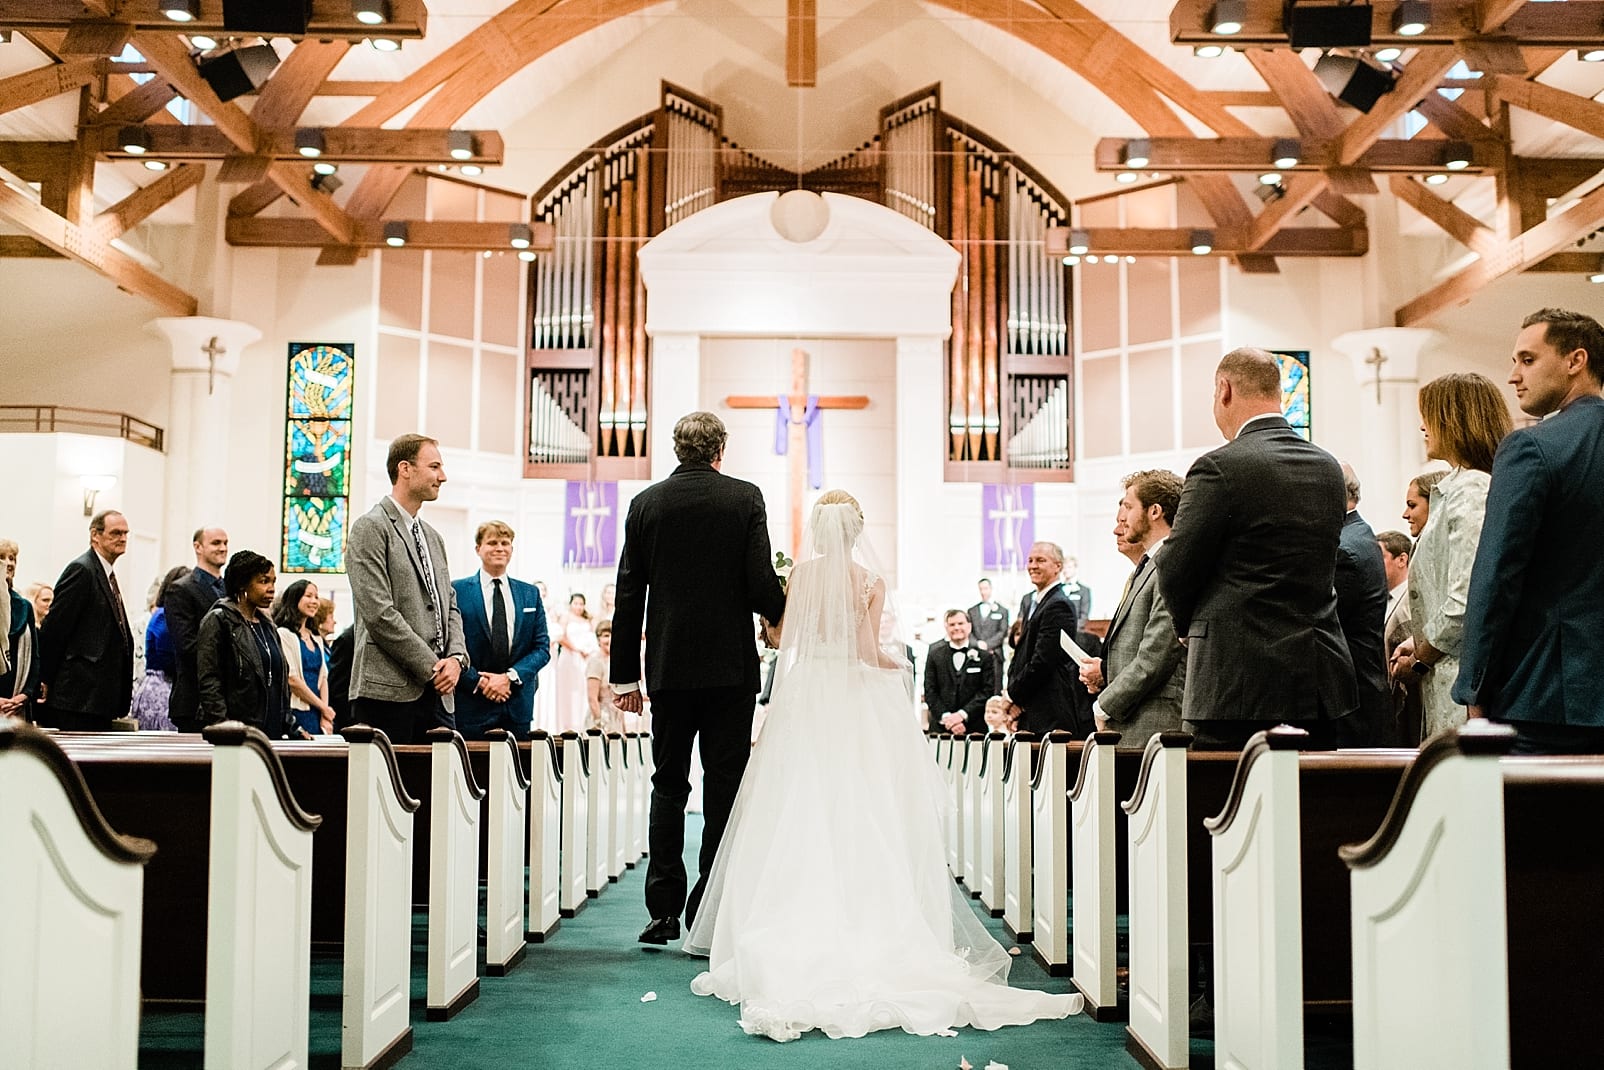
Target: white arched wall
(871, 273)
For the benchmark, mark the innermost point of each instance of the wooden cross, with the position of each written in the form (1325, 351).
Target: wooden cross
(212, 351)
(796, 432)
(1376, 359)
(801, 44)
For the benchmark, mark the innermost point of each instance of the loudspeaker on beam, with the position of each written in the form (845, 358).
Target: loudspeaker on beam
(1353, 81)
(1326, 25)
(233, 74)
(281, 18)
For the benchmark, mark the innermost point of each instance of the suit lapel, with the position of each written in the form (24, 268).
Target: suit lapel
(473, 601)
(403, 529)
(1142, 578)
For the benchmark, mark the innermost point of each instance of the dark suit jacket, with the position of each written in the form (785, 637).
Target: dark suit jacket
(86, 654)
(947, 690)
(990, 627)
(342, 649)
(187, 602)
(1534, 618)
(1361, 583)
(699, 542)
(530, 651)
(1247, 573)
(1042, 679)
(1080, 596)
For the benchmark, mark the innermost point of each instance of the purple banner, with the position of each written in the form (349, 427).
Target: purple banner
(1008, 525)
(590, 526)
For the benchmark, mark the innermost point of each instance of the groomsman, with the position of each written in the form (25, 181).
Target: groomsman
(959, 678)
(988, 621)
(504, 626)
(1042, 680)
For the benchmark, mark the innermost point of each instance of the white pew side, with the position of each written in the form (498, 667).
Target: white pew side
(1018, 836)
(545, 838)
(991, 860)
(1093, 858)
(1156, 832)
(1050, 848)
(575, 822)
(504, 855)
(454, 813)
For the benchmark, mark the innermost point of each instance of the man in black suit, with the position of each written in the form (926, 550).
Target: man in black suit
(1533, 652)
(1044, 687)
(698, 542)
(959, 678)
(86, 653)
(1361, 583)
(1248, 571)
(187, 602)
(988, 621)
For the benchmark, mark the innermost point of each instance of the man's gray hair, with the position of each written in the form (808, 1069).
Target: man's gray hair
(1054, 551)
(699, 438)
(1350, 483)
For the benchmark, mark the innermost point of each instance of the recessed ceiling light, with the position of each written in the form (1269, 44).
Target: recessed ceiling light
(202, 41)
(1388, 54)
(1126, 177)
(526, 255)
(155, 165)
(471, 169)
(1436, 179)
(325, 167)
(1270, 178)
(1208, 51)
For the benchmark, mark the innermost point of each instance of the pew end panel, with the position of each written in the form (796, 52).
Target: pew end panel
(545, 838)
(1019, 772)
(1093, 865)
(1157, 856)
(80, 886)
(377, 971)
(504, 864)
(1050, 848)
(575, 762)
(992, 860)
(598, 851)
(453, 942)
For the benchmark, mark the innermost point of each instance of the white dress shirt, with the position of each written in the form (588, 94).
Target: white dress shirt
(487, 586)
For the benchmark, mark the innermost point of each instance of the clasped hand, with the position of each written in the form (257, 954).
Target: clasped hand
(495, 686)
(446, 671)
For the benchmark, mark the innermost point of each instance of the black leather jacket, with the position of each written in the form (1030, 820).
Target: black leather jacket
(233, 679)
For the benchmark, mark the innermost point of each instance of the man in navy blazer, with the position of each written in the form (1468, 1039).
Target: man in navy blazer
(506, 650)
(1533, 651)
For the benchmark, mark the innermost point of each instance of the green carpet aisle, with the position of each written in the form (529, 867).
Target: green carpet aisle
(575, 1002)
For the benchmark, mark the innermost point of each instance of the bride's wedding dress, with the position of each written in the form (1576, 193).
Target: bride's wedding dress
(830, 905)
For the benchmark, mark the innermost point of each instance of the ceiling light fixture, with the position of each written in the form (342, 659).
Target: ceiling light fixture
(1411, 18)
(1092, 260)
(1388, 54)
(526, 255)
(1126, 177)
(1287, 153)
(1596, 277)
(135, 140)
(1590, 55)
(1080, 242)
(520, 236)
(1136, 153)
(471, 169)
(181, 10)
(1270, 178)
(395, 234)
(1456, 155)
(1437, 179)
(202, 41)
(384, 44)
(371, 12)
(1208, 51)
(325, 167)
(309, 142)
(1227, 17)
(1202, 242)
(1071, 261)
(155, 165)
(459, 143)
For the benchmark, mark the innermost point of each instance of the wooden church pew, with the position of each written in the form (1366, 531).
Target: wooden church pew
(574, 758)
(508, 825)
(375, 1019)
(598, 847)
(1476, 928)
(1279, 887)
(454, 816)
(1107, 774)
(617, 795)
(72, 889)
(988, 826)
(545, 838)
(1050, 852)
(1019, 771)
(972, 748)
(642, 754)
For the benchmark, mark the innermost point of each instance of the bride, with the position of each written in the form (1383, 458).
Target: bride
(830, 906)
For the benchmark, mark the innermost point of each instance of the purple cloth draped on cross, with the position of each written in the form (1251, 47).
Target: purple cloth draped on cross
(811, 418)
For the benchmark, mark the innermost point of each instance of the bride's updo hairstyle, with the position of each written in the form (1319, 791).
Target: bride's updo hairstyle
(843, 523)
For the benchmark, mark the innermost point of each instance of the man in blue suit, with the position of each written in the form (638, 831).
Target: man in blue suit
(504, 626)
(1533, 652)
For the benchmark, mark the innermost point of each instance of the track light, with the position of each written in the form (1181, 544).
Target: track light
(325, 167)
(384, 44)
(1092, 260)
(1079, 242)
(460, 144)
(1590, 55)
(1436, 179)
(472, 170)
(520, 236)
(135, 140)
(1456, 155)
(309, 142)
(326, 181)
(155, 165)
(1202, 242)
(1269, 194)
(1388, 54)
(395, 234)
(202, 41)
(371, 12)
(181, 10)
(1227, 17)
(1208, 51)
(526, 255)
(1136, 153)
(1411, 18)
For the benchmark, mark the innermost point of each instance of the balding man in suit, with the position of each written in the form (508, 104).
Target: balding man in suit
(1248, 571)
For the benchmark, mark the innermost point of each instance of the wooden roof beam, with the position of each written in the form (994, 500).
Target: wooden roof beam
(1574, 111)
(341, 144)
(1251, 155)
(1459, 224)
(1297, 195)
(139, 205)
(369, 234)
(1425, 70)
(1228, 241)
(1574, 24)
(42, 83)
(1299, 92)
(89, 248)
(98, 34)
(1524, 251)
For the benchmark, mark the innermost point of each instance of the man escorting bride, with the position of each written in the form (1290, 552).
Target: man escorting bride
(829, 905)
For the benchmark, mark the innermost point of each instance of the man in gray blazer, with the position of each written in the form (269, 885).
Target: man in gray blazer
(409, 648)
(1140, 679)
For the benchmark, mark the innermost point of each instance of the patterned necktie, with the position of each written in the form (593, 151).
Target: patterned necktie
(500, 646)
(429, 587)
(117, 601)
(1130, 581)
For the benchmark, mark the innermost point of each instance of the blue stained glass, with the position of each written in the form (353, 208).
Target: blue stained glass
(320, 381)
(317, 459)
(1295, 401)
(314, 535)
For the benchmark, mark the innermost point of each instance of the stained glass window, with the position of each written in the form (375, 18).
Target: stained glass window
(317, 457)
(1295, 389)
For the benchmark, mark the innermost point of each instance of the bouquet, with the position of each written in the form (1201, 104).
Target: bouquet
(782, 568)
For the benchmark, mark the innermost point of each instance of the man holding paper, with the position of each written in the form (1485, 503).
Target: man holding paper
(1043, 679)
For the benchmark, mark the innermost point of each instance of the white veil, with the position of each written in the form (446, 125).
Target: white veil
(838, 610)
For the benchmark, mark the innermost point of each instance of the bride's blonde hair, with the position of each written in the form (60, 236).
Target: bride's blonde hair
(841, 497)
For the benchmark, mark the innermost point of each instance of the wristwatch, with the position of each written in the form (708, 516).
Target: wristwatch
(1420, 668)
(512, 674)
(461, 660)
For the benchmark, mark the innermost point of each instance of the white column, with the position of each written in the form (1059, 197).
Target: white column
(921, 432)
(198, 421)
(676, 389)
(1386, 362)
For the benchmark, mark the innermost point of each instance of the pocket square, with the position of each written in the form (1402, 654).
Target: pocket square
(529, 609)
(971, 670)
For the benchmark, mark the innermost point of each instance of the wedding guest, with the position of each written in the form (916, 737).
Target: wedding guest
(40, 596)
(1417, 502)
(609, 595)
(155, 692)
(1396, 550)
(305, 656)
(604, 711)
(324, 621)
(241, 674)
(546, 703)
(1464, 418)
(342, 648)
(86, 652)
(577, 637)
(19, 683)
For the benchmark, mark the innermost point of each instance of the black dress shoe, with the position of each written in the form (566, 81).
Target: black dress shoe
(660, 931)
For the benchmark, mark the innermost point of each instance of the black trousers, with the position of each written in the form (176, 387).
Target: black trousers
(722, 718)
(1538, 737)
(1234, 735)
(73, 720)
(403, 722)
